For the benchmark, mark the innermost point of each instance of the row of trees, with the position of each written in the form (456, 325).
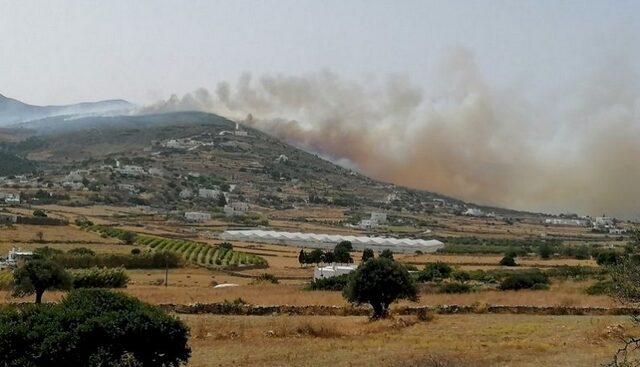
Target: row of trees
(340, 254)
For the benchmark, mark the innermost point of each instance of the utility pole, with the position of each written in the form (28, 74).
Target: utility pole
(166, 270)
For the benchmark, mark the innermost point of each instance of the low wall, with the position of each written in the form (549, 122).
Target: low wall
(319, 310)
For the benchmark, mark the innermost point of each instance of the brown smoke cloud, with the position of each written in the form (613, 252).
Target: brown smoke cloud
(577, 150)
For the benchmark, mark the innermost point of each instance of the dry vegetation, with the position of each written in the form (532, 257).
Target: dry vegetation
(459, 340)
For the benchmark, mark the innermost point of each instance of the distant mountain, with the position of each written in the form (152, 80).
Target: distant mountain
(13, 111)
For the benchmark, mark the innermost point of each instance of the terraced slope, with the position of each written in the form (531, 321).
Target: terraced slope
(203, 254)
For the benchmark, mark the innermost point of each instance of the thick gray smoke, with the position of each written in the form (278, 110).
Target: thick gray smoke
(576, 150)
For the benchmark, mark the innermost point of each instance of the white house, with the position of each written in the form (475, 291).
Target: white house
(236, 209)
(185, 194)
(127, 187)
(197, 216)
(604, 223)
(77, 176)
(130, 170)
(209, 193)
(332, 270)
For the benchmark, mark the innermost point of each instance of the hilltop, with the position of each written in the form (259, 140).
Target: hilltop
(13, 111)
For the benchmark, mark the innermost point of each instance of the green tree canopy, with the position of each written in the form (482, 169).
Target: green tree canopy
(36, 276)
(386, 253)
(380, 282)
(367, 254)
(92, 327)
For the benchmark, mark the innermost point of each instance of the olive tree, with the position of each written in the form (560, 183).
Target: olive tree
(36, 276)
(380, 282)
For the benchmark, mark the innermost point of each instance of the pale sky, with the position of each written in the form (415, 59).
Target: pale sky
(56, 52)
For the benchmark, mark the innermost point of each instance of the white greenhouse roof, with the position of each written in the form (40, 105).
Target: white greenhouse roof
(406, 244)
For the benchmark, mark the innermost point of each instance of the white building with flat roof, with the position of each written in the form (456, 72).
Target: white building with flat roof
(332, 270)
(197, 216)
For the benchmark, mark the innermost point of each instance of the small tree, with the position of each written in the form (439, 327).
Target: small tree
(380, 282)
(386, 253)
(545, 251)
(128, 238)
(39, 236)
(508, 261)
(36, 276)
(302, 257)
(315, 256)
(39, 213)
(367, 254)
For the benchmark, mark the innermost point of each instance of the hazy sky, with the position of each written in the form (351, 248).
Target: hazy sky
(525, 104)
(54, 52)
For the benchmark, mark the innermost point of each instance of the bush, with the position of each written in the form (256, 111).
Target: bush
(454, 288)
(533, 279)
(336, 283)
(81, 251)
(607, 258)
(135, 251)
(600, 287)
(46, 252)
(101, 278)
(39, 213)
(155, 260)
(508, 261)
(433, 271)
(92, 327)
(266, 278)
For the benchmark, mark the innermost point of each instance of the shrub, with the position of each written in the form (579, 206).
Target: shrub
(266, 278)
(508, 261)
(533, 279)
(39, 213)
(46, 252)
(433, 271)
(93, 327)
(600, 287)
(101, 278)
(454, 287)
(386, 253)
(607, 258)
(135, 251)
(226, 245)
(336, 283)
(155, 260)
(81, 251)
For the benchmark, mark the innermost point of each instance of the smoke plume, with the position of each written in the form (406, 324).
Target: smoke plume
(574, 150)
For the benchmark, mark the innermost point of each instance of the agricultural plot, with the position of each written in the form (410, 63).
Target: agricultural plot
(203, 254)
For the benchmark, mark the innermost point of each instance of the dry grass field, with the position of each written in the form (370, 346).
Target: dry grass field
(453, 340)
(447, 340)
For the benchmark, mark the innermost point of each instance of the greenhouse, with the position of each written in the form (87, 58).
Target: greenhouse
(328, 241)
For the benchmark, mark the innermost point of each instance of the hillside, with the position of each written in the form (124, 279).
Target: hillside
(13, 111)
(263, 169)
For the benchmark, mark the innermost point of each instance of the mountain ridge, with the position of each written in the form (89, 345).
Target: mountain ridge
(13, 111)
